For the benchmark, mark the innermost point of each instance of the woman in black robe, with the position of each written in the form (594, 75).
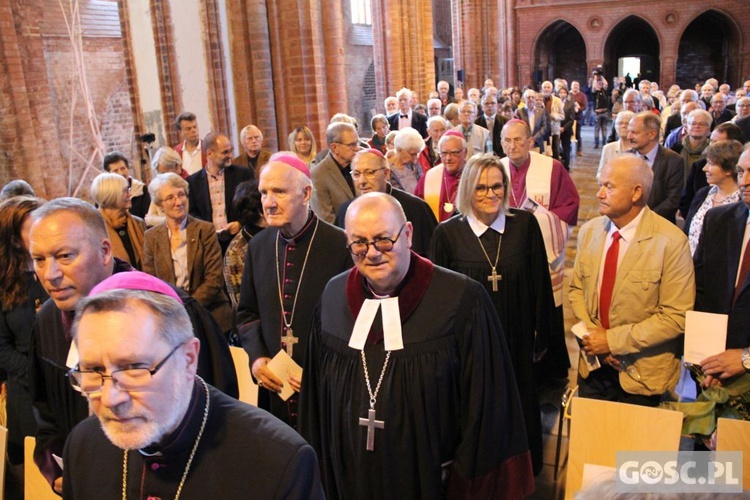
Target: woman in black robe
(21, 295)
(503, 249)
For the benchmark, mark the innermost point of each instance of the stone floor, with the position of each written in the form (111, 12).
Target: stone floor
(583, 172)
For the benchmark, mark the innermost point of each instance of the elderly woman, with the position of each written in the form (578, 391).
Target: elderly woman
(743, 109)
(164, 161)
(722, 189)
(380, 127)
(405, 168)
(247, 204)
(21, 295)
(116, 163)
(184, 251)
(619, 147)
(111, 193)
(515, 274)
(302, 143)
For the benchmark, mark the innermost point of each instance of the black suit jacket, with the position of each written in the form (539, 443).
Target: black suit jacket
(744, 124)
(717, 260)
(200, 199)
(418, 122)
(673, 122)
(500, 122)
(669, 175)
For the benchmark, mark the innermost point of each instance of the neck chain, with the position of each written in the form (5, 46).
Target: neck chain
(448, 206)
(494, 277)
(190, 458)
(371, 421)
(288, 324)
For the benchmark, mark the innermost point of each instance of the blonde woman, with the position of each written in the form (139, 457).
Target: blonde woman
(302, 143)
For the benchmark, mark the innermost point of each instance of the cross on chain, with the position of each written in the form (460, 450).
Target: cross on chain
(494, 278)
(289, 340)
(371, 425)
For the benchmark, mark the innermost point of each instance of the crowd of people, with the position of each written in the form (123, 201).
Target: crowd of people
(416, 276)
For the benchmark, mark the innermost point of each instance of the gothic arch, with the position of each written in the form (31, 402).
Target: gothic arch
(710, 47)
(559, 52)
(633, 37)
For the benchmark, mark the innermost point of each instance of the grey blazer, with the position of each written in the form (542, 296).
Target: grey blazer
(330, 190)
(204, 263)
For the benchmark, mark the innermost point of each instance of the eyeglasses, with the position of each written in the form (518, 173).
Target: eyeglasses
(172, 198)
(351, 145)
(698, 124)
(455, 152)
(359, 248)
(127, 379)
(368, 174)
(482, 190)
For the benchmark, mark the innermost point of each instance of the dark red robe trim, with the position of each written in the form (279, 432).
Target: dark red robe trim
(510, 479)
(410, 291)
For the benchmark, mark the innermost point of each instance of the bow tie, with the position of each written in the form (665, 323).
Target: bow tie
(404, 116)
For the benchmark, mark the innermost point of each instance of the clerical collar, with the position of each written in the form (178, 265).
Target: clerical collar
(294, 240)
(479, 227)
(182, 439)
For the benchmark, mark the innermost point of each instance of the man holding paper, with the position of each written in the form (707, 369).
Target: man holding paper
(409, 391)
(286, 268)
(722, 276)
(632, 283)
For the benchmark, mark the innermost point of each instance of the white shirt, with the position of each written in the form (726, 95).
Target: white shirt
(404, 122)
(479, 227)
(192, 162)
(627, 235)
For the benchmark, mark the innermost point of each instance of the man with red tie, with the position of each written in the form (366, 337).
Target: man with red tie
(632, 282)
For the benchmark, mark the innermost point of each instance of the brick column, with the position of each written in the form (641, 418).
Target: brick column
(29, 147)
(403, 51)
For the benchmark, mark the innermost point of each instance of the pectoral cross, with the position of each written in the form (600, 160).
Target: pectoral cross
(289, 340)
(371, 425)
(494, 278)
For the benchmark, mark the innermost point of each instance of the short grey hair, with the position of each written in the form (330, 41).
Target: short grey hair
(336, 130)
(408, 138)
(161, 180)
(167, 156)
(448, 137)
(632, 92)
(403, 91)
(624, 116)
(436, 119)
(96, 229)
(172, 321)
(106, 189)
(701, 113)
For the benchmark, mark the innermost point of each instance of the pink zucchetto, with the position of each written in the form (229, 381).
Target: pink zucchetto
(292, 160)
(454, 133)
(374, 151)
(135, 280)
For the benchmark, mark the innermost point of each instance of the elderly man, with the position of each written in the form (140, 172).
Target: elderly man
(696, 139)
(254, 156)
(668, 167)
(719, 111)
(678, 134)
(536, 117)
(72, 254)
(395, 402)
(439, 186)
(742, 120)
(722, 277)
(212, 188)
(434, 108)
(476, 136)
(675, 120)
(541, 185)
(391, 105)
(430, 155)
(371, 174)
(405, 116)
(332, 184)
(554, 108)
(493, 123)
(443, 89)
(191, 148)
(159, 429)
(473, 95)
(286, 268)
(116, 163)
(634, 327)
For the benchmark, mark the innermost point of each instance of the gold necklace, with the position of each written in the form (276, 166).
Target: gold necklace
(288, 338)
(190, 458)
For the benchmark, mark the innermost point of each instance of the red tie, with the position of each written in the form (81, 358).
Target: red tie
(744, 271)
(608, 279)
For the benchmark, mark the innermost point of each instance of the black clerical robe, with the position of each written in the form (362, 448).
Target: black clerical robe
(523, 301)
(417, 212)
(58, 407)
(259, 312)
(448, 400)
(244, 453)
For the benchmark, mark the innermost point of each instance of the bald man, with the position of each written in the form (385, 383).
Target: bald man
(632, 283)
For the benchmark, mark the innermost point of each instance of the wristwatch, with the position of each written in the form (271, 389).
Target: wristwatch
(746, 359)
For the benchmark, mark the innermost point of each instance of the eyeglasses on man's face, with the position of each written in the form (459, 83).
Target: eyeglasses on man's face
(382, 244)
(368, 174)
(350, 145)
(127, 379)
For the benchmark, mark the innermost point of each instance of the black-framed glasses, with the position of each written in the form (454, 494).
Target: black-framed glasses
(382, 244)
(127, 379)
(483, 190)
